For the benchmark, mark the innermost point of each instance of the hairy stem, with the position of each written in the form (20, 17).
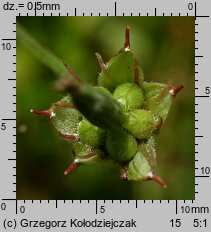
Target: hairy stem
(43, 54)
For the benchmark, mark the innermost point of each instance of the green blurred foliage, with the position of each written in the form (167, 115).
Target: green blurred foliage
(164, 47)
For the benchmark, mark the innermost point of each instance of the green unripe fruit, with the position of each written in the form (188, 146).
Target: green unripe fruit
(120, 145)
(90, 134)
(138, 168)
(129, 96)
(140, 123)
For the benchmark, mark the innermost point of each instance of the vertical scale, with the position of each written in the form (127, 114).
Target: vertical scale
(202, 103)
(8, 100)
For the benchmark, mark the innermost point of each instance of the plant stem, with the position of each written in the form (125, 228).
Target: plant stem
(43, 54)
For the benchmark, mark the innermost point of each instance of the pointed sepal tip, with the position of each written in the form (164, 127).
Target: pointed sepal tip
(176, 89)
(72, 167)
(127, 39)
(156, 178)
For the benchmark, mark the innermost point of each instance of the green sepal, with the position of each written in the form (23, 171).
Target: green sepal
(119, 69)
(142, 166)
(85, 154)
(139, 75)
(158, 99)
(148, 149)
(66, 100)
(138, 168)
(65, 119)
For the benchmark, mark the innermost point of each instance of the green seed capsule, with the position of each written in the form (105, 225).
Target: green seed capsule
(90, 134)
(129, 96)
(140, 123)
(103, 90)
(120, 146)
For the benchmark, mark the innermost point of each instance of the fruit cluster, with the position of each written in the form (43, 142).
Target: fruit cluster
(115, 121)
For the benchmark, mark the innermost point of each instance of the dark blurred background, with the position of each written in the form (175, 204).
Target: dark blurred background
(164, 47)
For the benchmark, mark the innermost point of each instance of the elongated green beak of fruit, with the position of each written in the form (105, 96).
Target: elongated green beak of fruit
(116, 121)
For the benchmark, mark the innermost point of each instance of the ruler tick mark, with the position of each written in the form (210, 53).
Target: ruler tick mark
(8, 39)
(202, 176)
(96, 207)
(202, 96)
(202, 16)
(195, 10)
(8, 119)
